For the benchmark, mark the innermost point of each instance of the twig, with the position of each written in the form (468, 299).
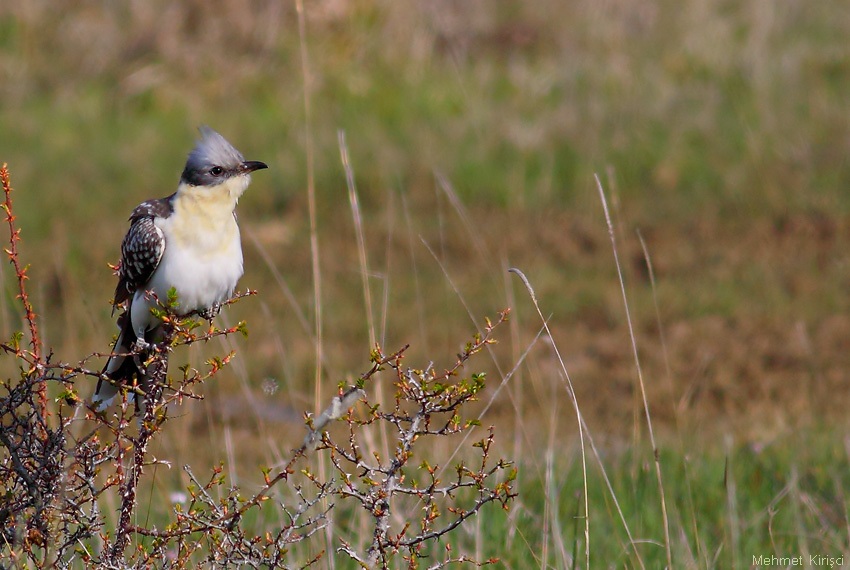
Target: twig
(21, 273)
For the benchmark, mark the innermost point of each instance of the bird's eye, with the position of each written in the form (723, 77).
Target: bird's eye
(216, 171)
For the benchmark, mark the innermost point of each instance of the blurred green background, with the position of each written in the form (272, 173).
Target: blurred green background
(719, 129)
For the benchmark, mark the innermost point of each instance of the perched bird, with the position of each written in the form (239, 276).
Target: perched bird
(188, 241)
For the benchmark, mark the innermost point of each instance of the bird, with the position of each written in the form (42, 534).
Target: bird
(189, 242)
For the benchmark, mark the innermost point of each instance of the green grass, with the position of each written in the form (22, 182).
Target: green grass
(727, 505)
(728, 502)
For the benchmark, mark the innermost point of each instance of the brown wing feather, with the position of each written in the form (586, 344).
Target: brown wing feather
(142, 248)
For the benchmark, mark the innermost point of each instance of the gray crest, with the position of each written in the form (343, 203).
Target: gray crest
(212, 161)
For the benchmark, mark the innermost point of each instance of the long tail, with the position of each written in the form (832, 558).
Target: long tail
(120, 369)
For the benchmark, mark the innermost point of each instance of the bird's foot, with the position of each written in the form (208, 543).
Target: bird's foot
(142, 345)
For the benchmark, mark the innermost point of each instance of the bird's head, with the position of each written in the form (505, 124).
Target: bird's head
(215, 165)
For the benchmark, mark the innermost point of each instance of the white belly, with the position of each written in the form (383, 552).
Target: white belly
(201, 277)
(202, 262)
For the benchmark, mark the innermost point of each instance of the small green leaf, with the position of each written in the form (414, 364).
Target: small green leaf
(15, 341)
(171, 300)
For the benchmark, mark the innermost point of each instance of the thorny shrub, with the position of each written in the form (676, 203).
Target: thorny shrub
(64, 467)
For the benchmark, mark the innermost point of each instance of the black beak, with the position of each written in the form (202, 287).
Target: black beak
(250, 166)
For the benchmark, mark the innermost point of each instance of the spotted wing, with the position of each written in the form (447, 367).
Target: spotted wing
(142, 248)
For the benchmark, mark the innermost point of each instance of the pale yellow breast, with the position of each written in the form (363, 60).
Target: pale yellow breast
(203, 218)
